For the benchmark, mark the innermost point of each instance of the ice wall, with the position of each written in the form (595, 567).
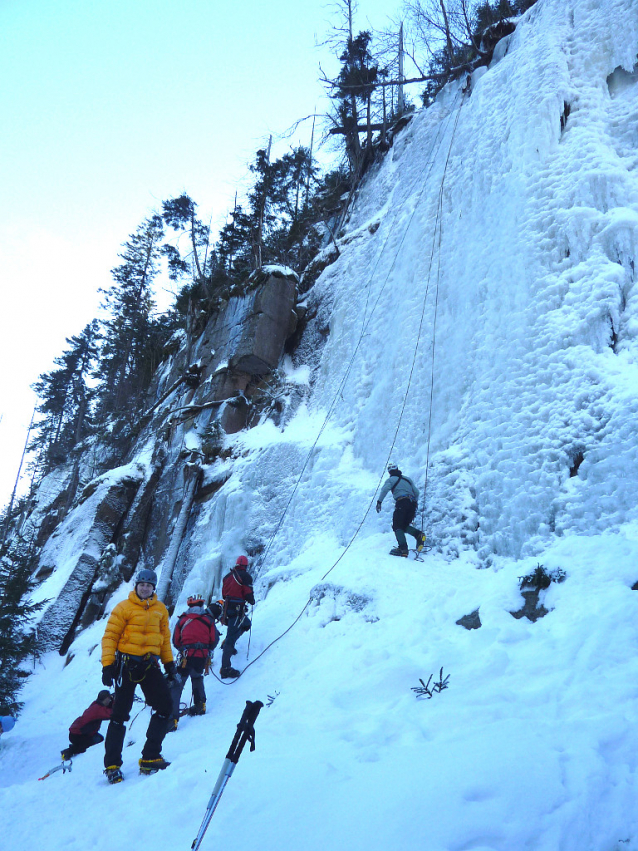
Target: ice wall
(493, 249)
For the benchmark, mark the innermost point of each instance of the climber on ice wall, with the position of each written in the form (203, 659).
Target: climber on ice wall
(237, 590)
(406, 497)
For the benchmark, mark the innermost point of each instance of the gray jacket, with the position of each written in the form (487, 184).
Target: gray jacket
(404, 488)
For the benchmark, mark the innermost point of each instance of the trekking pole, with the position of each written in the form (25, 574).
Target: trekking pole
(250, 632)
(245, 733)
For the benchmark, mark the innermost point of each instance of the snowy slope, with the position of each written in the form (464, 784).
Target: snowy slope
(490, 261)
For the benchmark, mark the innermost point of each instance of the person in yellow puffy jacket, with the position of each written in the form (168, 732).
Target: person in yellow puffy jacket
(136, 639)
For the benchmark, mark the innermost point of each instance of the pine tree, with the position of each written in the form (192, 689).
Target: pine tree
(292, 178)
(132, 336)
(279, 211)
(180, 215)
(262, 215)
(356, 84)
(233, 248)
(17, 642)
(65, 398)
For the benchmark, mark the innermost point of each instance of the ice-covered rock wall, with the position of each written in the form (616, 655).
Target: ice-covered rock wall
(211, 388)
(490, 261)
(478, 326)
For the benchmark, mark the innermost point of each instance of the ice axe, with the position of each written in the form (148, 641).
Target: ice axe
(245, 733)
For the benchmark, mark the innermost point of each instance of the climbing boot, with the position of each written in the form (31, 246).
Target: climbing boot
(420, 542)
(198, 709)
(229, 673)
(152, 766)
(399, 551)
(66, 754)
(172, 725)
(114, 774)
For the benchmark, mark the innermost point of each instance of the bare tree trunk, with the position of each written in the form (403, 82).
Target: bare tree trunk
(195, 255)
(353, 145)
(262, 213)
(385, 120)
(77, 437)
(82, 409)
(312, 142)
(7, 519)
(400, 98)
(350, 18)
(231, 256)
(448, 36)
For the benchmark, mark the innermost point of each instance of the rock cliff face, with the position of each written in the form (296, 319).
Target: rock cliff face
(141, 513)
(71, 557)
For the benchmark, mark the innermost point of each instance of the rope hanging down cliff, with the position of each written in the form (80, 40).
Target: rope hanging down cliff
(405, 396)
(422, 179)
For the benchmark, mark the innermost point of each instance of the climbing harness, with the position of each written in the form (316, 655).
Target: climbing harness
(135, 666)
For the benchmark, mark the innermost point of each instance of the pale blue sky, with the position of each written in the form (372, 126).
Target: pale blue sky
(107, 107)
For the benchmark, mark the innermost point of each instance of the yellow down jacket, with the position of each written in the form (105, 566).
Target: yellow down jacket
(137, 627)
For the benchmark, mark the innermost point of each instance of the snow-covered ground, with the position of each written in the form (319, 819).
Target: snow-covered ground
(533, 745)
(490, 261)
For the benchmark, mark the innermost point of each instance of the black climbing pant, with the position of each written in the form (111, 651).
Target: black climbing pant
(236, 625)
(79, 743)
(404, 513)
(194, 668)
(157, 695)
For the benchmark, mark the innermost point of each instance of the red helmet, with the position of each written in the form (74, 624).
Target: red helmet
(242, 561)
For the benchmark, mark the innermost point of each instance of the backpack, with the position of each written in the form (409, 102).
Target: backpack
(197, 632)
(234, 588)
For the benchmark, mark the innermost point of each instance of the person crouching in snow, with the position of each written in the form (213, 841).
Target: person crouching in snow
(406, 498)
(136, 638)
(237, 590)
(195, 636)
(84, 732)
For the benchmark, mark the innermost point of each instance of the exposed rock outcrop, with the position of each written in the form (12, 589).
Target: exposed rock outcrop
(471, 621)
(72, 555)
(131, 516)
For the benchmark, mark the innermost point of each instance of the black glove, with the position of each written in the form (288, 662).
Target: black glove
(108, 675)
(378, 506)
(171, 672)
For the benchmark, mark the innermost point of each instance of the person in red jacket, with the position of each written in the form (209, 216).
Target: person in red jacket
(83, 733)
(237, 590)
(195, 636)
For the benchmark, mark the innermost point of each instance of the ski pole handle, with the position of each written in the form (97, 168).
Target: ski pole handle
(245, 730)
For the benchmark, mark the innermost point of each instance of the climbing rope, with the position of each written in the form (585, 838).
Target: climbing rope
(422, 176)
(436, 304)
(405, 396)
